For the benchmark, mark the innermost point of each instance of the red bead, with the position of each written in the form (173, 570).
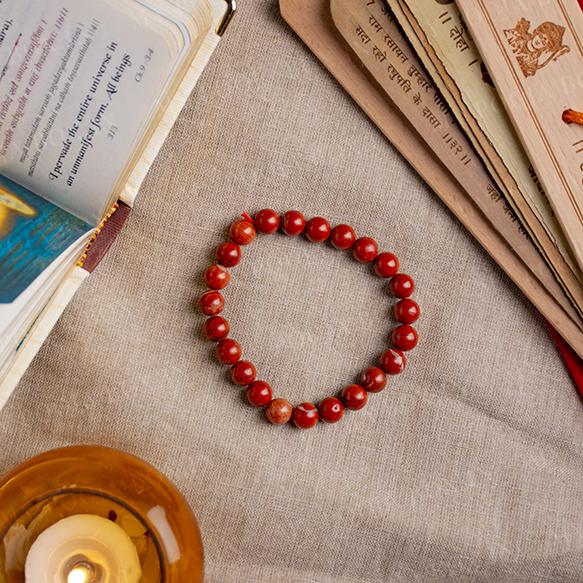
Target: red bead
(267, 221)
(216, 277)
(228, 351)
(259, 393)
(318, 230)
(294, 223)
(216, 328)
(279, 411)
(393, 361)
(211, 303)
(405, 337)
(243, 372)
(386, 265)
(228, 254)
(373, 379)
(407, 311)
(331, 410)
(354, 397)
(305, 415)
(342, 237)
(365, 249)
(242, 232)
(402, 285)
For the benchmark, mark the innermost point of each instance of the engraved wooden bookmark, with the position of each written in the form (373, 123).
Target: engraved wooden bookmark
(368, 28)
(311, 20)
(534, 53)
(448, 53)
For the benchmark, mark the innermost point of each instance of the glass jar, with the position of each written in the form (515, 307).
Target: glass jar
(91, 480)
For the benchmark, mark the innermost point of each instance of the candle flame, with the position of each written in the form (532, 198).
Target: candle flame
(80, 574)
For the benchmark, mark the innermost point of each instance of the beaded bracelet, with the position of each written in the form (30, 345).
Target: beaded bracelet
(342, 237)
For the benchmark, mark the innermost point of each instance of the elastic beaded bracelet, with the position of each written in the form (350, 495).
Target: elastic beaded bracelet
(259, 393)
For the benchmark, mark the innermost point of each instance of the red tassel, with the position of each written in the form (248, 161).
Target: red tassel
(572, 360)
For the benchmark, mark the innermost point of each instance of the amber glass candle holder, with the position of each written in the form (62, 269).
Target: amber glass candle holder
(95, 485)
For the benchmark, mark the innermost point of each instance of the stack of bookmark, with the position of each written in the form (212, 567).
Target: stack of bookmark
(482, 97)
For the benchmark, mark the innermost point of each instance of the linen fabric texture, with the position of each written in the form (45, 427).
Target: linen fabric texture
(468, 467)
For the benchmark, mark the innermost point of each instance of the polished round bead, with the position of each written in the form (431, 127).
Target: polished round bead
(402, 285)
(305, 415)
(211, 303)
(365, 249)
(242, 232)
(228, 351)
(386, 264)
(216, 277)
(293, 223)
(354, 397)
(243, 372)
(405, 337)
(279, 411)
(331, 410)
(267, 221)
(407, 311)
(393, 361)
(342, 237)
(259, 393)
(228, 254)
(216, 328)
(373, 379)
(318, 230)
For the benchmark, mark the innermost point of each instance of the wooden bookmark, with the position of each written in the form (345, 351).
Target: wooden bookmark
(368, 28)
(444, 41)
(534, 53)
(312, 22)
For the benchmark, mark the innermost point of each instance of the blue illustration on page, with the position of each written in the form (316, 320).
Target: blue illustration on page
(33, 233)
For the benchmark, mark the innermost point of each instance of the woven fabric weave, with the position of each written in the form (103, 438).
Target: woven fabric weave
(467, 468)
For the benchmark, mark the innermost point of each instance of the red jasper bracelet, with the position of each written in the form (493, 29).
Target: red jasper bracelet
(317, 230)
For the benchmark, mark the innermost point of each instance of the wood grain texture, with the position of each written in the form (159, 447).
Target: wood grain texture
(536, 215)
(398, 71)
(311, 20)
(534, 53)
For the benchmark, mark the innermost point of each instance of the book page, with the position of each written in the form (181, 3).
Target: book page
(33, 234)
(79, 82)
(17, 317)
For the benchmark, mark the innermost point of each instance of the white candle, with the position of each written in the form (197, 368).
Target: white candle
(83, 549)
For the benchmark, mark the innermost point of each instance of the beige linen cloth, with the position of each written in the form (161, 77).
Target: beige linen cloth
(469, 467)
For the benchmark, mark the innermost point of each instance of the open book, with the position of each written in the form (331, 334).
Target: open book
(89, 90)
